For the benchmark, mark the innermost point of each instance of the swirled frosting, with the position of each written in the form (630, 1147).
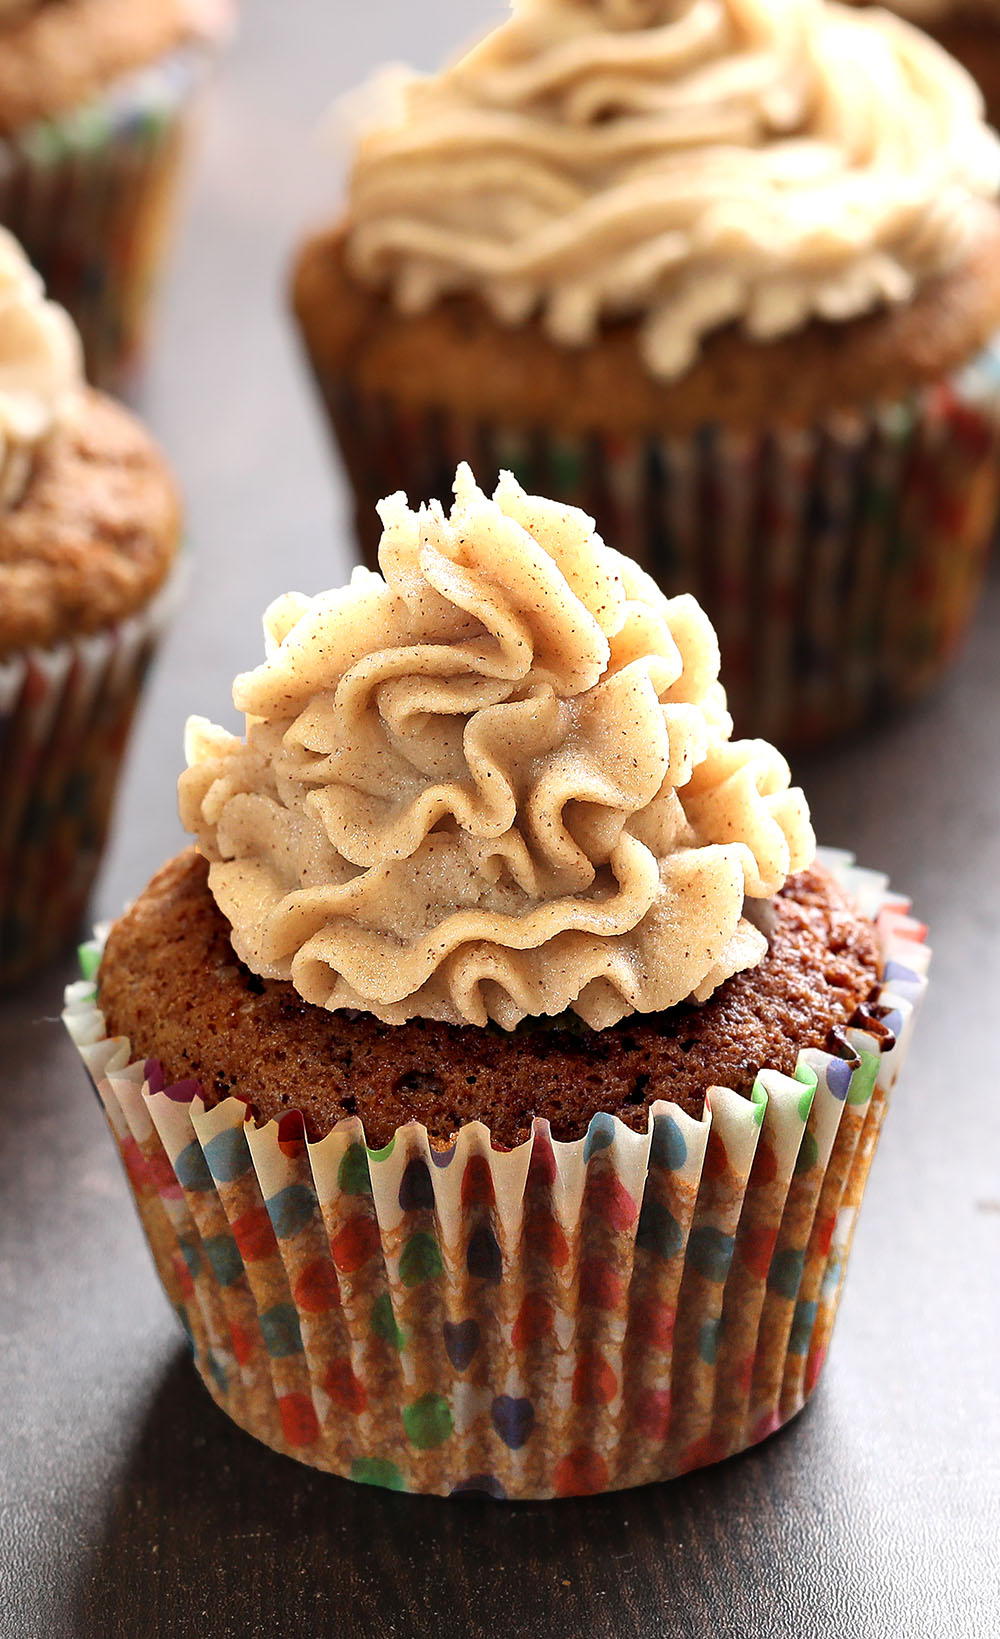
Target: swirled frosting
(41, 367)
(496, 780)
(685, 163)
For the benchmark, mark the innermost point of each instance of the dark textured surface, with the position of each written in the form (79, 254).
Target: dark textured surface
(128, 1506)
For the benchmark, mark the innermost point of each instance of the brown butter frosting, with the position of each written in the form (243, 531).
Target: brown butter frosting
(496, 780)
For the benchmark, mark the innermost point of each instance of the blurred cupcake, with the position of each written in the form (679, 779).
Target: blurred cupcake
(499, 1078)
(726, 276)
(95, 98)
(88, 533)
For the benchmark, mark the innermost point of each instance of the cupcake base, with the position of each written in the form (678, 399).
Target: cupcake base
(551, 1320)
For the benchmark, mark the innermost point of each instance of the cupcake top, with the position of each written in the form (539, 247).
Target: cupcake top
(58, 55)
(495, 781)
(685, 163)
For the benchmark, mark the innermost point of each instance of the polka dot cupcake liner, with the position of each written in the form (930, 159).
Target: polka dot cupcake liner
(557, 1319)
(840, 564)
(65, 717)
(90, 196)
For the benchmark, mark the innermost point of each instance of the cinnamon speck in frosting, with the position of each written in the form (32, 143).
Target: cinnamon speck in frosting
(495, 781)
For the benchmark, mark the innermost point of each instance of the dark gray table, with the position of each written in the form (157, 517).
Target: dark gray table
(128, 1505)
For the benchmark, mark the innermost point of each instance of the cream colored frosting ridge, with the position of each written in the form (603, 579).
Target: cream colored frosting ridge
(41, 367)
(496, 780)
(683, 162)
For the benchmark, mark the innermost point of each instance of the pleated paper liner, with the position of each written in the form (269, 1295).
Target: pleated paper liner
(558, 1319)
(840, 564)
(90, 196)
(65, 715)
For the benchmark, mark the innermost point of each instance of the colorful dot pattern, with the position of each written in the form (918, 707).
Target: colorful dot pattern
(554, 1321)
(846, 558)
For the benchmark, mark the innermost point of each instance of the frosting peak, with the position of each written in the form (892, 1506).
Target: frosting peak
(41, 367)
(496, 782)
(683, 162)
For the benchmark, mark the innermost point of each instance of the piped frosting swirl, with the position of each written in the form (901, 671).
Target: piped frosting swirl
(496, 780)
(41, 367)
(685, 163)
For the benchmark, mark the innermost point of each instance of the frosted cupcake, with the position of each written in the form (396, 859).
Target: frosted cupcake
(722, 274)
(95, 99)
(89, 529)
(498, 1078)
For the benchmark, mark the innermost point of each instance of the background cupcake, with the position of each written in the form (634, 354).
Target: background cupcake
(94, 103)
(499, 1082)
(88, 532)
(970, 31)
(723, 276)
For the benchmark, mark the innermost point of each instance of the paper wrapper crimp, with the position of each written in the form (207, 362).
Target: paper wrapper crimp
(90, 195)
(562, 1318)
(840, 564)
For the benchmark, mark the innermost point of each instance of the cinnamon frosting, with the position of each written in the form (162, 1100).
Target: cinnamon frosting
(496, 780)
(683, 163)
(41, 367)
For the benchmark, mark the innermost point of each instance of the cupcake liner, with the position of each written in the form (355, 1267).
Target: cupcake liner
(90, 196)
(65, 715)
(556, 1319)
(840, 564)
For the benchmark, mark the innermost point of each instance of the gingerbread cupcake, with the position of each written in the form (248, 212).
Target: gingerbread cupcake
(724, 275)
(498, 1077)
(89, 528)
(96, 98)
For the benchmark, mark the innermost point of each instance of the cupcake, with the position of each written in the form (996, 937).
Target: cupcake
(498, 1075)
(95, 98)
(88, 533)
(724, 275)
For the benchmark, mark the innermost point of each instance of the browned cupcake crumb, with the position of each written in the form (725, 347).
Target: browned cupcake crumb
(170, 982)
(58, 54)
(94, 534)
(459, 359)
